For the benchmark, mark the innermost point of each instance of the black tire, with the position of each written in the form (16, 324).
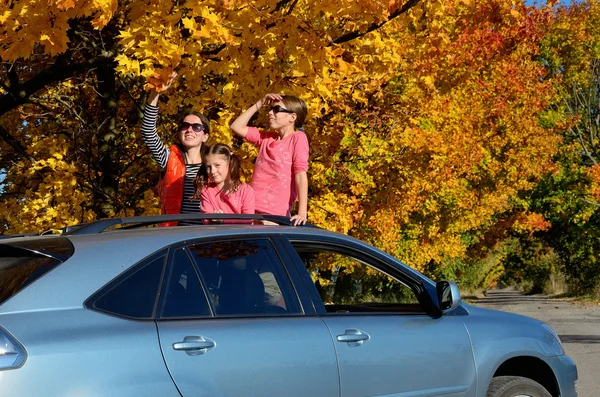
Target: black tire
(515, 386)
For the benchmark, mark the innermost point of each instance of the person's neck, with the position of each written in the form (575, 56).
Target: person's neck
(286, 131)
(193, 156)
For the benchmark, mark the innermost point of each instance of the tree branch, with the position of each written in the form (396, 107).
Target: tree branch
(62, 69)
(13, 79)
(282, 3)
(354, 35)
(591, 202)
(8, 138)
(289, 11)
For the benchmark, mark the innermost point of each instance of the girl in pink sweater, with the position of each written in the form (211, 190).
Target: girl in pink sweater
(280, 170)
(219, 187)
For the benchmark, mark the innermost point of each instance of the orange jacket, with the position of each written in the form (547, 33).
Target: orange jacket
(170, 186)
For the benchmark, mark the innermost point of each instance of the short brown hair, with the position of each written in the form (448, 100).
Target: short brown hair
(297, 106)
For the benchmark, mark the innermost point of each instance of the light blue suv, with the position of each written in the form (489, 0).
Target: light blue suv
(115, 308)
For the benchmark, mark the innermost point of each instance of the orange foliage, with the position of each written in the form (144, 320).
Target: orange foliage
(423, 121)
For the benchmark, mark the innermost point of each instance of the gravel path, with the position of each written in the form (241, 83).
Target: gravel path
(578, 326)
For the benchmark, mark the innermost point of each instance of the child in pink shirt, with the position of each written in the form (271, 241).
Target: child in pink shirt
(280, 171)
(219, 187)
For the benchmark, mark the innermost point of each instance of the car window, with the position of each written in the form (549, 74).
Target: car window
(19, 270)
(245, 277)
(184, 295)
(350, 285)
(134, 293)
(27, 261)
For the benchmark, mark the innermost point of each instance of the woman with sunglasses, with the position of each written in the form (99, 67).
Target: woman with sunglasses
(279, 176)
(179, 163)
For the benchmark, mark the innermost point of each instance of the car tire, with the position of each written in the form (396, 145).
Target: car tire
(515, 386)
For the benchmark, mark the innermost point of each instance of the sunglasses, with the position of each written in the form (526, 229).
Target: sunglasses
(196, 127)
(277, 109)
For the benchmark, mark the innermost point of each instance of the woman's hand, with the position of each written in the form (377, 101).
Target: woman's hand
(169, 83)
(155, 93)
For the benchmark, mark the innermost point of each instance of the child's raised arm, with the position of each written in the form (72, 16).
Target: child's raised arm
(240, 125)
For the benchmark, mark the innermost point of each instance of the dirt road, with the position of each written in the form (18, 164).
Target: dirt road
(578, 326)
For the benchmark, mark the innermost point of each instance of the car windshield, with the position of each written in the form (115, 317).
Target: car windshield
(21, 266)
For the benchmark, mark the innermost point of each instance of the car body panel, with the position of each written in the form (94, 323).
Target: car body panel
(77, 352)
(291, 356)
(414, 355)
(494, 342)
(565, 370)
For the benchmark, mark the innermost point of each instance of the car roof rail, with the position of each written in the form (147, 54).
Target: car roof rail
(44, 233)
(141, 221)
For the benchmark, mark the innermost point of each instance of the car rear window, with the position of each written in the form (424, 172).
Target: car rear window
(22, 264)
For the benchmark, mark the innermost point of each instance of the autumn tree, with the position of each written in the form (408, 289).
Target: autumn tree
(569, 197)
(432, 163)
(423, 115)
(73, 76)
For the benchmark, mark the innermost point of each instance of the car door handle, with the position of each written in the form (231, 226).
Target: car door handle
(353, 337)
(194, 345)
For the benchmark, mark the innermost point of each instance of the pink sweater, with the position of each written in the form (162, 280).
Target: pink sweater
(277, 163)
(240, 202)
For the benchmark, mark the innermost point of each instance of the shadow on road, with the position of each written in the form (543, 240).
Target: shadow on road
(585, 339)
(509, 297)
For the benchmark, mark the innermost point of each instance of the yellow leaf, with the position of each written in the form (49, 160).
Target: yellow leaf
(189, 23)
(4, 16)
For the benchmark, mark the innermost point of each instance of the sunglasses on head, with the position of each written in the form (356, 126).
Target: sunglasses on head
(196, 127)
(277, 109)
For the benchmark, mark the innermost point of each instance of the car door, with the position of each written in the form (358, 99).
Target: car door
(231, 324)
(386, 342)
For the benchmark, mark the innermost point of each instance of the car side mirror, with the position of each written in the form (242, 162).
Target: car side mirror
(448, 295)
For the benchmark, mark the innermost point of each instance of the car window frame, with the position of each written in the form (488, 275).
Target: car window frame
(172, 249)
(367, 255)
(304, 302)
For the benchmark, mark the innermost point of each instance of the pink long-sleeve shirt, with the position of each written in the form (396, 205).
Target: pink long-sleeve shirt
(240, 202)
(277, 163)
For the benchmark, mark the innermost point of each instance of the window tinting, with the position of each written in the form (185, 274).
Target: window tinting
(245, 277)
(59, 248)
(184, 296)
(133, 294)
(19, 268)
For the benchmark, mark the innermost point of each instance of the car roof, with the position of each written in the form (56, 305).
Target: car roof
(149, 239)
(100, 256)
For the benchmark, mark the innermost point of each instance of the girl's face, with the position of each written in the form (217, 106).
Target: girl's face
(217, 168)
(280, 117)
(191, 132)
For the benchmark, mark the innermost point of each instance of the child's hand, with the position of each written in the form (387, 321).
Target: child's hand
(299, 219)
(269, 99)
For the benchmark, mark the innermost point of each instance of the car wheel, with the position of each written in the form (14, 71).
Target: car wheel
(515, 386)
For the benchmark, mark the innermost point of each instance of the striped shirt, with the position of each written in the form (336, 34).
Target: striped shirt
(161, 153)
